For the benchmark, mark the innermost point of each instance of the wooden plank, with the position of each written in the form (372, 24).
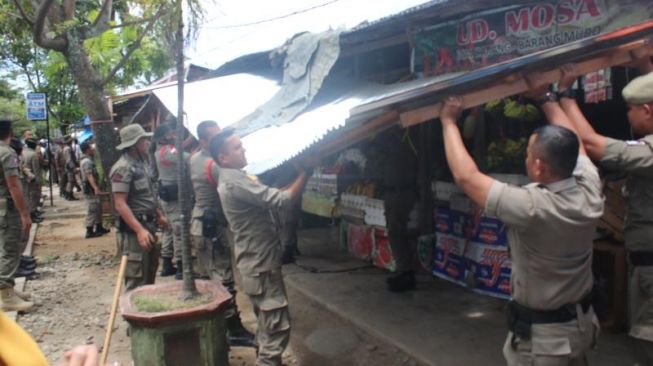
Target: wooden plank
(516, 84)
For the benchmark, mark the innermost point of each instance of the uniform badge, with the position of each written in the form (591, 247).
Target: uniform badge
(116, 177)
(253, 178)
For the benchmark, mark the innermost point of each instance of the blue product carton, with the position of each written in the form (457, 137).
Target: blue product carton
(490, 267)
(448, 258)
(488, 230)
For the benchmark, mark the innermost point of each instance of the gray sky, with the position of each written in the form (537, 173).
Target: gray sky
(217, 44)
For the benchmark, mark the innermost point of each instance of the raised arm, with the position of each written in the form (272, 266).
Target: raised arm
(465, 171)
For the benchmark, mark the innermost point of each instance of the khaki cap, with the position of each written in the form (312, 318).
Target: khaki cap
(639, 90)
(130, 135)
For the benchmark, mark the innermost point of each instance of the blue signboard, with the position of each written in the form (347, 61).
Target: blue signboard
(37, 107)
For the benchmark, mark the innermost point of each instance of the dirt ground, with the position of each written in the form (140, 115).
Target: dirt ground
(76, 283)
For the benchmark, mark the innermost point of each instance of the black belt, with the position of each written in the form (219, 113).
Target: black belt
(641, 258)
(400, 188)
(141, 217)
(520, 318)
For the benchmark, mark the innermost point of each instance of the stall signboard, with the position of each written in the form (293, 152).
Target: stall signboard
(497, 35)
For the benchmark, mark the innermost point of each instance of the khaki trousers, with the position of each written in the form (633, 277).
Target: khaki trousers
(141, 264)
(267, 293)
(640, 293)
(558, 344)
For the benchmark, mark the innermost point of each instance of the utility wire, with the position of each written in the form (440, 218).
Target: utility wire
(275, 18)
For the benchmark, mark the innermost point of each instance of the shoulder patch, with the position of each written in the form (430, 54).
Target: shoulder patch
(253, 178)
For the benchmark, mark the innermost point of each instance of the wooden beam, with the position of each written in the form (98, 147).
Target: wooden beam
(516, 84)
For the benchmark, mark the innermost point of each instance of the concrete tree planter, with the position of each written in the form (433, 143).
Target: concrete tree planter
(193, 336)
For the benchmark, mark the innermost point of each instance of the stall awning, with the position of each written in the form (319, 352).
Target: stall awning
(345, 112)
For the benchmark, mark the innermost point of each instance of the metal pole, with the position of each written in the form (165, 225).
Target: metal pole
(49, 151)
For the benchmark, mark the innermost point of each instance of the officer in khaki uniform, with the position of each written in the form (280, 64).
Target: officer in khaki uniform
(60, 163)
(137, 206)
(551, 224)
(247, 205)
(210, 232)
(636, 159)
(31, 167)
(165, 157)
(14, 216)
(91, 191)
(70, 166)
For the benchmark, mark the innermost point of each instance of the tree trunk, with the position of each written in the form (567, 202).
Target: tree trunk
(189, 289)
(91, 92)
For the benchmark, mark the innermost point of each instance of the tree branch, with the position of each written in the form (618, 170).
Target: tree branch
(23, 14)
(69, 9)
(134, 46)
(58, 43)
(103, 17)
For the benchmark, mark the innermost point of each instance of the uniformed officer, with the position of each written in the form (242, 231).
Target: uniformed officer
(14, 217)
(166, 163)
(636, 159)
(27, 264)
(551, 225)
(70, 165)
(210, 232)
(247, 205)
(60, 163)
(399, 169)
(31, 167)
(91, 191)
(137, 206)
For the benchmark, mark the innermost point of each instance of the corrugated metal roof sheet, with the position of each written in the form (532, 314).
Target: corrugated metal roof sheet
(225, 100)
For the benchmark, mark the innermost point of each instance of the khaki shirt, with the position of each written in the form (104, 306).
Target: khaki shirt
(31, 165)
(70, 162)
(636, 159)
(132, 176)
(87, 166)
(9, 162)
(166, 163)
(248, 206)
(550, 233)
(204, 173)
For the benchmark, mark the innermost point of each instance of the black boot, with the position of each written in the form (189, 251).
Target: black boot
(179, 275)
(238, 335)
(27, 259)
(21, 272)
(35, 218)
(90, 233)
(71, 197)
(167, 269)
(100, 230)
(27, 265)
(404, 281)
(288, 255)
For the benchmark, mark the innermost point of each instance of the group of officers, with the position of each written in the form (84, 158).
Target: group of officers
(551, 222)
(230, 210)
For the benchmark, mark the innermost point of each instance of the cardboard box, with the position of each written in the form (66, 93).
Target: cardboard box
(382, 256)
(360, 241)
(489, 268)
(448, 258)
(488, 230)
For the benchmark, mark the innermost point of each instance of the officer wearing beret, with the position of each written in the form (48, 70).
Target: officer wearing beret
(14, 216)
(636, 159)
(137, 206)
(551, 224)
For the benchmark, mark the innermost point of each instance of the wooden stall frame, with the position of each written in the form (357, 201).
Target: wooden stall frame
(517, 84)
